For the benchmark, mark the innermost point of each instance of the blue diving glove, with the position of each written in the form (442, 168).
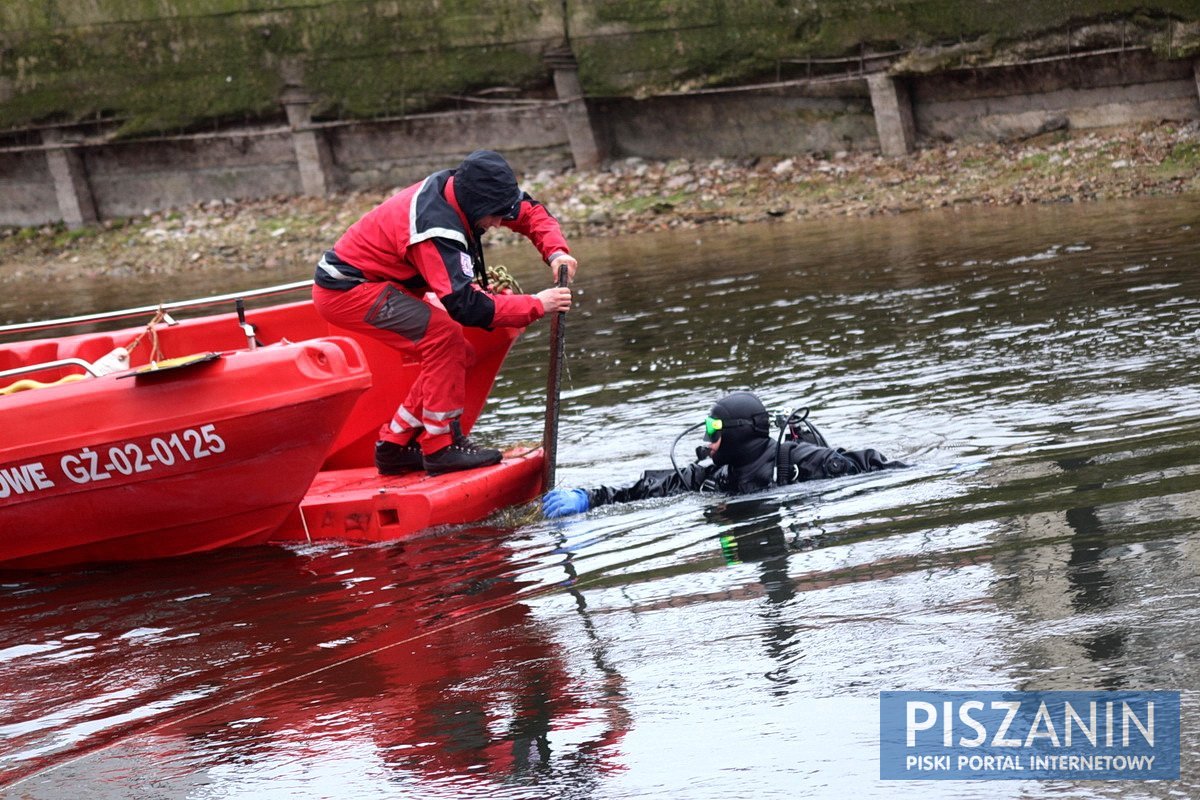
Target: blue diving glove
(564, 502)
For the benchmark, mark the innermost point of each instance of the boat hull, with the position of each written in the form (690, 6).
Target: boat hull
(161, 464)
(271, 440)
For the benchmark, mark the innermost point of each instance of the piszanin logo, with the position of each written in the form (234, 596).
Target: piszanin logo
(1028, 735)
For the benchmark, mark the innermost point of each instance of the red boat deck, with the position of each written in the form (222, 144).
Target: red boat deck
(359, 505)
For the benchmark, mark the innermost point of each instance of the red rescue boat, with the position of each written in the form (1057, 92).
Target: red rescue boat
(182, 436)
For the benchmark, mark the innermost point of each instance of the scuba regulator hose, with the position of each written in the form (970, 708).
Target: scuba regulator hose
(675, 444)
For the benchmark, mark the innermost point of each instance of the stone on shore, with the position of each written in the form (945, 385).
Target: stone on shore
(633, 195)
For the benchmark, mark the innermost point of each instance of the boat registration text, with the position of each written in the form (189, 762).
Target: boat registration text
(105, 462)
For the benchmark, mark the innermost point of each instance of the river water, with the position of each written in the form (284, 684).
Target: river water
(1035, 367)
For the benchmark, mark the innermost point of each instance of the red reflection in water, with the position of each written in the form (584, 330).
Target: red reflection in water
(428, 651)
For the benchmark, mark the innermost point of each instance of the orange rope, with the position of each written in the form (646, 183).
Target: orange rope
(155, 350)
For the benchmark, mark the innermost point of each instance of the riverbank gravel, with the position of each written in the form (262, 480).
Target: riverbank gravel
(634, 195)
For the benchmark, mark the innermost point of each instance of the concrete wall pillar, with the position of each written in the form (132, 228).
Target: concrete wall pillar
(893, 114)
(71, 186)
(313, 157)
(585, 150)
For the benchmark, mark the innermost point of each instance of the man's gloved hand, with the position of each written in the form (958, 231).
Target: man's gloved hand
(564, 502)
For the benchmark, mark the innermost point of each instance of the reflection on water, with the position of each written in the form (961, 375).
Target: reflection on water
(1035, 365)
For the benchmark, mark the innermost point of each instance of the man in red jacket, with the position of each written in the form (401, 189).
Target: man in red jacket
(405, 274)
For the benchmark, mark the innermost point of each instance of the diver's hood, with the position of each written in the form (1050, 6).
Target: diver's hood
(745, 430)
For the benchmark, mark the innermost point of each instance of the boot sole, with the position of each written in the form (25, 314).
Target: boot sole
(400, 467)
(434, 469)
(398, 470)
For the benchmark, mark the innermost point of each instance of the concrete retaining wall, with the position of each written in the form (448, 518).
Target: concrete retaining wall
(126, 178)
(1089, 92)
(383, 154)
(819, 117)
(27, 194)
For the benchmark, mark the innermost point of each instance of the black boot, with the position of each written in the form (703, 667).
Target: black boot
(461, 454)
(394, 459)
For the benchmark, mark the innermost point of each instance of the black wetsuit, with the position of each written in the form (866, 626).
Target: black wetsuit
(754, 471)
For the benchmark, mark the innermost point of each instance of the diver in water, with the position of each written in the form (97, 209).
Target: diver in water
(739, 456)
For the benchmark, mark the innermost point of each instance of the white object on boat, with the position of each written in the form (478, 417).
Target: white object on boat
(113, 361)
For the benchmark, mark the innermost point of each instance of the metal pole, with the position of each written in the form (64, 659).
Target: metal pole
(558, 330)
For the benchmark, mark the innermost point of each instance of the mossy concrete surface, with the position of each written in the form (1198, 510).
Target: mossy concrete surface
(175, 64)
(170, 65)
(642, 46)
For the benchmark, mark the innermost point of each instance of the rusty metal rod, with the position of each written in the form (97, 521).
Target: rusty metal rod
(558, 331)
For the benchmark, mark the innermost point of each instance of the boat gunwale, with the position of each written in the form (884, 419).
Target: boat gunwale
(128, 313)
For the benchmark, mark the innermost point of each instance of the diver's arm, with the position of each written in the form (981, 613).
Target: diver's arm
(811, 462)
(869, 460)
(653, 483)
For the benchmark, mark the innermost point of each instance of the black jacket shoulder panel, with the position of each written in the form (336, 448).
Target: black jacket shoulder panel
(466, 304)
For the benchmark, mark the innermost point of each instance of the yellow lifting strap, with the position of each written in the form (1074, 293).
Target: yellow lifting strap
(26, 384)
